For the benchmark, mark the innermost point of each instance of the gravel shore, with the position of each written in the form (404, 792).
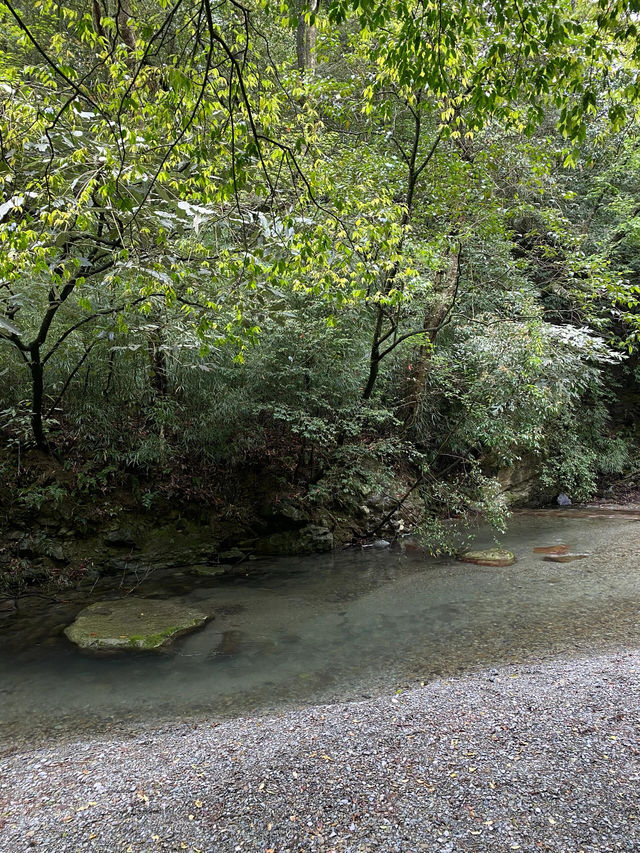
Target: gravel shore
(535, 757)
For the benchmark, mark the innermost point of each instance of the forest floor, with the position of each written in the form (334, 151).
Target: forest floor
(536, 757)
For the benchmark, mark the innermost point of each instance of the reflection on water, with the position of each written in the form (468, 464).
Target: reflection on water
(336, 626)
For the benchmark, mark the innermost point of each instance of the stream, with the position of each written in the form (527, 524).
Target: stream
(339, 626)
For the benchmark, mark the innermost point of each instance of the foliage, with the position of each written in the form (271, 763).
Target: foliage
(416, 252)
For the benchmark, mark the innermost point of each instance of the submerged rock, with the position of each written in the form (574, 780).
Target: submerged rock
(489, 557)
(132, 623)
(230, 643)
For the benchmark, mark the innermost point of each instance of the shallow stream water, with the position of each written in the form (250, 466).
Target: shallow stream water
(346, 625)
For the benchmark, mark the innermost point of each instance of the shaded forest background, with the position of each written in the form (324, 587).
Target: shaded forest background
(313, 253)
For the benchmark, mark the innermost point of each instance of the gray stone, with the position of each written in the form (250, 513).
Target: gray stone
(563, 500)
(132, 623)
(55, 552)
(232, 555)
(122, 538)
(290, 510)
(316, 538)
(381, 503)
(520, 483)
(39, 546)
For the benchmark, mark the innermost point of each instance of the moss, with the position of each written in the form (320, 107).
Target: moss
(132, 624)
(152, 641)
(489, 557)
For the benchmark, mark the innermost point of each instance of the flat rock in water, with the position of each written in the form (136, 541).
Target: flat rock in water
(551, 549)
(132, 623)
(564, 558)
(489, 557)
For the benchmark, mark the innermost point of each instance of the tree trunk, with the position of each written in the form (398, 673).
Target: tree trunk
(158, 364)
(126, 31)
(379, 336)
(306, 37)
(37, 399)
(96, 14)
(446, 288)
(374, 357)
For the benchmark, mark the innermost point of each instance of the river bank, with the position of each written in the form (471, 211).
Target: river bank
(541, 756)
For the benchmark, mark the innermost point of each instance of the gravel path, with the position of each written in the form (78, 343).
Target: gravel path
(524, 758)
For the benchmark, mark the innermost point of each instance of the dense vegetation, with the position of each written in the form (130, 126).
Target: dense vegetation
(344, 246)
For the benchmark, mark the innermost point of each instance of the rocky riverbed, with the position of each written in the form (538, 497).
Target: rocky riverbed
(535, 757)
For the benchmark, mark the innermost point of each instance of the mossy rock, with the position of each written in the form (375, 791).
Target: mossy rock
(132, 624)
(489, 557)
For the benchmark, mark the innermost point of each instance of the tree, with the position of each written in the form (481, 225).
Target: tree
(170, 158)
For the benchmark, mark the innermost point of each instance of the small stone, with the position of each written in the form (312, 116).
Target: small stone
(563, 500)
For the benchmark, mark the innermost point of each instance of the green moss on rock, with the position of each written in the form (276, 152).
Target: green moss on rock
(489, 557)
(132, 623)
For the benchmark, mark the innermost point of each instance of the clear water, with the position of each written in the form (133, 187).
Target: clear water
(338, 626)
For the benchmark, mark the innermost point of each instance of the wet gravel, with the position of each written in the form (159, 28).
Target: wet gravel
(532, 757)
